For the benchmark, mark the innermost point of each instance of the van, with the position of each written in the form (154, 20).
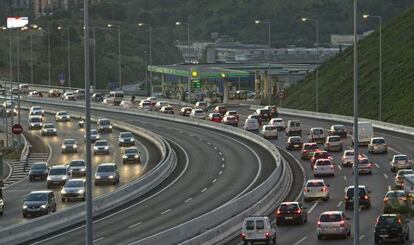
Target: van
(24, 88)
(258, 229)
(293, 128)
(365, 133)
(114, 98)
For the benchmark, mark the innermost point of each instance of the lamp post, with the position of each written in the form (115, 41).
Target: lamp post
(317, 60)
(179, 23)
(33, 27)
(68, 43)
(366, 16)
(119, 53)
(270, 54)
(150, 52)
(48, 53)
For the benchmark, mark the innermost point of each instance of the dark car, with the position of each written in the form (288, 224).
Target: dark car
(272, 110)
(294, 143)
(391, 227)
(264, 114)
(39, 203)
(338, 130)
(97, 97)
(131, 154)
(291, 212)
(364, 200)
(38, 170)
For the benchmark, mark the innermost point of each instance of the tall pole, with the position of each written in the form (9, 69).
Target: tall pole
(317, 64)
(119, 53)
(11, 82)
(94, 58)
(380, 70)
(48, 53)
(18, 76)
(355, 136)
(189, 67)
(150, 57)
(270, 61)
(31, 57)
(69, 81)
(89, 234)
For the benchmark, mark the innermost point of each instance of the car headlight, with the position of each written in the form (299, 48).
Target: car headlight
(64, 177)
(125, 156)
(48, 177)
(132, 139)
(43, 206)
(97, 177)
(24, 206)
(106, 147)
(121, 139)
(80, 191)
(75, 146)
(63, 191)
(136, 156)
(95, 148)
(68, 117)
(63, 146)
(54, 130)
(111, 176)
(110, 126)
(82, 169)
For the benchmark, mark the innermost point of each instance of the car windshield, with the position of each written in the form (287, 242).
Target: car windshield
(198, 112)
(395, 194)
(101, 143)
(232, 113)
(405, 172)
(131, 151)
(104, 122)
(315, 184)
(69, 142)
(126, 135)
(270, 128)
(105, 168)
(318, 131)
(57, 171)
(260, 224)
(330, 218)
(349, 153)
(74, 183)
(288, 207)
(338, 128)
(64, 113)
(323, 162)
(401, 158)
(93, 131)
(77, 164)
(334, 139)
(321, 155)
(350, 192)
(378, 141)
(250, 225)
(387, 220)
(35, 119)
(215, 116)
(36, 197)
(264, 111)
(311, 147)
(146, 103)
(48, 126)
(36, 109)
(295, 140)
(39, 166)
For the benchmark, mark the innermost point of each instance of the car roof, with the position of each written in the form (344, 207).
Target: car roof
(69, 139)
(310, 143)
(48, 124)
(315, 180)
(351, 186)
(374, 138)
(103, 140)
(35, 116)
(39, 163)
(400, 155)
(107, 164)
(104, 118)
(289, 203)
(332, 212)
(388, 215)
(78, 179)
(59, 166)
(130, 148)
(41, 192)
(125, 132)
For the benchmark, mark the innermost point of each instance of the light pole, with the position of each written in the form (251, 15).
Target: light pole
(317, 60)
(270, 55)
(179, 23)
(94, 57)
(150, 53)
(33, 27)
(119, 53)
(68, 43)
(48, 54)
(366, 16)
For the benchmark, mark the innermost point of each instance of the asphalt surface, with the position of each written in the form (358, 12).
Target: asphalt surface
(14, 195)
(216, 167)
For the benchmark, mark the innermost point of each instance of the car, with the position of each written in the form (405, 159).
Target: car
(58, 175)
(97, 97)
(198, 114)
(48, 129)
(101, 147)
(338, 130)
(291, 212)
(220, 109)
(185, 111)
(231, 120)
(258, 229)
(347, 158)
(152, 100)
(293, 128)
(126, 139)
(38, 170)
(278, 122)
(74, 189)
(107, 173)
(316, 189)
(167, 109)
(214, 117)
(251, 125)
(36, 110)
(158, 105)
(94, 135)
(62, 116)
(257, 117)
(323, 167)
(77, 168)
(399, 177)
(24, 88)
(80, 94)
(69, 145)
(377, 145)
(272, 110)
(269, 132)
(35, 122)
(104, 125)
(131, 154)
(1, 206)
(39, 203)
(15, 91)
(307, 150)
(202, 105)
(10, 108)
(114, 98)
(334, 143)
(333, 223)
(364, 166)
(294, 143)
(145, 105)
(391, 227)
(232, 113)
(400, 161)
(364, 199)
(319, 154)
(264, 114)
(396, 201)
(34, 93)
(54, 93)
(316, 135)
(69, 96)
(126, 104)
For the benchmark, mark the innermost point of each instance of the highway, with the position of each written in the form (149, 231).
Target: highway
(14, 195)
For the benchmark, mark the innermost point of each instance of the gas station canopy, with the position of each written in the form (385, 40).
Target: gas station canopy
(201, 71)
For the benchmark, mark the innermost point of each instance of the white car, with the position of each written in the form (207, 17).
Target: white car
(34, 93)
(36, 110)
(333, 143)
(48, 129)
(333, 223)
(145, 105)
(316, 135)
(35, 122)
(251, 124)
(152, 100)
(167, 109)
(269, 131)
(101, 147)
(198, 114)
(62, 116)
(279, 123)
(323, 167)
(258, 229)
(399, 177)
(316, 189)
(160, 104)
(69, 96)
(126, 104)
(400, 162)
(347, 158)
(377, 145)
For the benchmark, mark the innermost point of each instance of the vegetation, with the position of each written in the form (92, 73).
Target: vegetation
(336, 77)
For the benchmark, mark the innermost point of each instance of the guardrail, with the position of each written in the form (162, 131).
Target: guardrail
(39, 227)
(26, 148)
(227, 218)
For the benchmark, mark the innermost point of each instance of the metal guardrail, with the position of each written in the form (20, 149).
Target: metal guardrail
(26, 148)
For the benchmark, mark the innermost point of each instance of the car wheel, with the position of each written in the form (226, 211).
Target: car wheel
(246, 243)
(24, 215)
(267, 241)
(319, 237)
(278, 222)
(326, 199)
(30, 178)
(54, 209)
(48, 186)
(305, 200)
(376, 241)
(63, 199)
(96, 184)
(274, 239)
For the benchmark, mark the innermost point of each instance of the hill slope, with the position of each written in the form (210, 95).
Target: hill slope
(336, 77)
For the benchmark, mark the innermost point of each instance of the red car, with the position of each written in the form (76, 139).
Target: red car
(307, 150)
(220, 109)
(214, 117)
(318, 154)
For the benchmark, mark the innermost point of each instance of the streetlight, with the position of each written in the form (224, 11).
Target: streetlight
(257, 22)
(33, 27)
(150, 52)
(179, 23)
(305, 19)
(5, 119)
(119, 52)
(366, 16)
(68, 42)
(48, 54)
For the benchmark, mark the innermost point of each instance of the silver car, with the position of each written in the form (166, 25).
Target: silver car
(251, 125)
(400, 162)
(377, 145)
(69, 145)
(333, 143)
(58, 175)
(77, 168)
(333, 223)
(107, 173)
(101, 147)
(126, 138)
(48, 129)
(62, 116)
(269, 131)
(73, 189)
(94, 135)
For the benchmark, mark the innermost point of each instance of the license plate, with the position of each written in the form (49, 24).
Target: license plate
(288, 217)
(383, 236)
(295, 145)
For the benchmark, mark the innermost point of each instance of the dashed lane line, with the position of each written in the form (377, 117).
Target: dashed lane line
(339, 204)
(166, 211)
(189, 199)
(203, 190)
(313, 207)
(135, 225)
(301, 240)
(385, 176)
(98, 239)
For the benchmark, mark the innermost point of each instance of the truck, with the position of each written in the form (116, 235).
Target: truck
(409, 184)
(365, 133)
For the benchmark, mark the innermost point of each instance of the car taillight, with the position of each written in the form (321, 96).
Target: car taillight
(332, 166)
(298, 211)
(403, 199)
(324, 189)
(398, 178)
(278, 211)
(267, 234)
(319, 224)
(399, 221)
(346, 197)
(315, 168)
(306, 190)
(370, 165)
(342, 224)
(366, 197)
(243, 235)
(385, 200)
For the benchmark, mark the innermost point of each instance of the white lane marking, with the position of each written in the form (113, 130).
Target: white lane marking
(339, 204)
(394, 150)
(220, 153)
(386, 176)
(313, 207)
(345, 178)
(376, 165)
(208, 143)
(222, 159)
(129, 207)
(98, 239)
(189, 199)
(215, 148)
(214, 181)
(361, 237)
(10, 171)
(221, 172)
(203, 190)
(301, 240)
(339, 166)
(166, 211)
(134, 225)
(389, 187)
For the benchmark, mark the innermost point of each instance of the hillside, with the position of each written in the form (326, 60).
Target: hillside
(336, 77)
